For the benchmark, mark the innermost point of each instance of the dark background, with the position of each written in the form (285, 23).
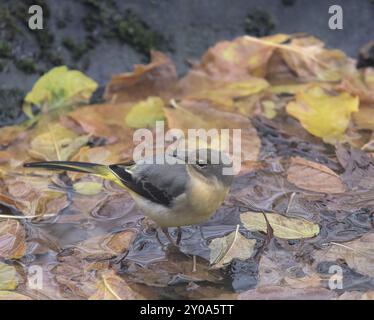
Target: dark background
(85, 34)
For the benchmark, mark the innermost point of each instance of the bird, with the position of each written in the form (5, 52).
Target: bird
(172, 192)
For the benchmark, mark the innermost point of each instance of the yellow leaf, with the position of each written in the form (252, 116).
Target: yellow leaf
(145, 113)
(234, 245)
(283, 227)
(226, 94)
(9, 295)
(88, 188)
(270, 109)
(60, 86)
(322, 114)
(8, 277)
(56, 143)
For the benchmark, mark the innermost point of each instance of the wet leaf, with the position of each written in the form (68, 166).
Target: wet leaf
(12, 239)
(284, 227)
(112, 287)
(324, 115)
(286, 293)
(34, 197)
(8, 277)
(313, 176)
(61, 86)
(88, 188)
(232, 246)
(144, 114)
(56, 143)
(359, 254)
(9, 295)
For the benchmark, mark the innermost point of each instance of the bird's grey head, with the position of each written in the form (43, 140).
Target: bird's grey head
(210, 163)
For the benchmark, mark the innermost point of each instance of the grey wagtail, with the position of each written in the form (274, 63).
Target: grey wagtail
(173, 195)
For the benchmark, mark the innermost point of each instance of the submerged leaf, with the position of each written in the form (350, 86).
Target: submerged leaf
(112, 287)
(8, 277)
(283, 227)
(231, 246)
(9, 295)
(314, 176)
(88, 188)
(324, 115)
(359, 254)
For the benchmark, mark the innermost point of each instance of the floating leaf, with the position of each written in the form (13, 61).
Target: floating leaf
(61, 86)
(314, 176)
(283, 227)
(88, 188)
(231, 246)
(324, 115)
(145, 113)
(8, 277)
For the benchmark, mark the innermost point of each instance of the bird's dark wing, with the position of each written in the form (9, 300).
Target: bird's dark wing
(158, 183)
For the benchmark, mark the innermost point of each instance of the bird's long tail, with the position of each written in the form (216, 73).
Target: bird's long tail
(85, 167)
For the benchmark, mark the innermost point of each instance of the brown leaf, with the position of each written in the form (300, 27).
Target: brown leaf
(33, 196)
(313, 176)
(112, 287)
(188, 114)
(12, 239)
(154, 79)
(286, 293)
(359, 254)
(103, 120)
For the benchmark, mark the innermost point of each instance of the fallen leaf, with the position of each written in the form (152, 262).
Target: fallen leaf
(307, 57)
(12, 239)
(104, 121)
(359, 254)
(322, 114)
(231, 246)
(358, 168)
(225, 95)
(286, 293)
(145, 113)
(56, 143)
(188, 114)
(112, 287)
(284, 227)
(8, 277)
(243, 56)
(88, 188)
(33, 196)
(313, 176)
(364, 118)
(61, 86)
(154, 79)
(10, 295)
